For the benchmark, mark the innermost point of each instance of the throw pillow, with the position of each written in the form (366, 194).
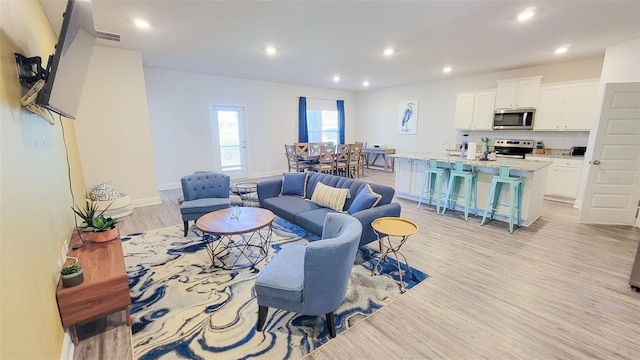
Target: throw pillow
(327, 196)
(366, 199)
(294, 184)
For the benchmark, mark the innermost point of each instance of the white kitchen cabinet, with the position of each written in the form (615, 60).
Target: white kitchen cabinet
(474, 111)
(517, 94)
(403, 175)
(567, 107)
(563, 178)
(418, 175)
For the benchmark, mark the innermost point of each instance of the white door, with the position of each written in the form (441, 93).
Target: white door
(613, 184)
(229, 140)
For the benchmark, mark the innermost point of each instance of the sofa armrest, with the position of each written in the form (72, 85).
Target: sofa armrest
(366, 217)
(268, 189)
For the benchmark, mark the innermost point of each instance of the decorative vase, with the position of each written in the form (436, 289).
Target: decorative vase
(101, 236)
(72, 279)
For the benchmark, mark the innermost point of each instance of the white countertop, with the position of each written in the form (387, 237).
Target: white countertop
(525, 165)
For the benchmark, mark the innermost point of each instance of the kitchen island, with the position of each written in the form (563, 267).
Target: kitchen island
(410, 172)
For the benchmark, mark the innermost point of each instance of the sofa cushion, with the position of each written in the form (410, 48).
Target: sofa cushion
(328, 196)
(312, 220)
(294, 184)
(288, 206)
(366, 199)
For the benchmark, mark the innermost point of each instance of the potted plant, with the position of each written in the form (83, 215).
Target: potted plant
(71, 274)
(96, 227)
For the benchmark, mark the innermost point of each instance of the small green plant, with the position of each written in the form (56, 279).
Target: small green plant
(94, 221)
(70, 269)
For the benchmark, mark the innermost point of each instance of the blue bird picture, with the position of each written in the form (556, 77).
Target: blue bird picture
(408, 116)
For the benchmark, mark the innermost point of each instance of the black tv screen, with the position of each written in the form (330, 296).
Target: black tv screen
(67, 68)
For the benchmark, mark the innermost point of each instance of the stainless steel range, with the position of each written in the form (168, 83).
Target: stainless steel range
(513, 148)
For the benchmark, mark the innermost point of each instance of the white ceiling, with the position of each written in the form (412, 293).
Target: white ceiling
(320, 39)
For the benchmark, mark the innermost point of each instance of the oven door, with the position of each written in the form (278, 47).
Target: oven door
(519, 119)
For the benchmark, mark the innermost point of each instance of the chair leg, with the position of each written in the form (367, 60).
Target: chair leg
(331, 324)
(262, 316)
(186, 228)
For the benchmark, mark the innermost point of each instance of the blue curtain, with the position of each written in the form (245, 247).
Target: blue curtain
(303, 133)
(340, 121)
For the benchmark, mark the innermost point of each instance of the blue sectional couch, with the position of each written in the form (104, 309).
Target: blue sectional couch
(310, 216)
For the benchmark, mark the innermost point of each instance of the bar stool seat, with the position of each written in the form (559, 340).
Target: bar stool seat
(470, 178)
(434, 176)
(515, 195)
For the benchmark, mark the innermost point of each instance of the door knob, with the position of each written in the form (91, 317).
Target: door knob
(595, 162)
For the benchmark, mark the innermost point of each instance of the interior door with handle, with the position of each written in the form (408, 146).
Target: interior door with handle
(229, 140)
(613, 183)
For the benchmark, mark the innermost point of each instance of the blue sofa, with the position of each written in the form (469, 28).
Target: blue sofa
(310, 216)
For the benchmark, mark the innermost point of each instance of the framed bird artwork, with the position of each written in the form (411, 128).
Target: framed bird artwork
(408, 117)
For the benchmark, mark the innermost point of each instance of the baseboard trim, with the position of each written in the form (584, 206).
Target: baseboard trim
(169, 186)
(146, 201)
(67, 346)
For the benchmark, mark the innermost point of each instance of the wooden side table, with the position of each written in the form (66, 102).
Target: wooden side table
(386, 228)
(105, 289)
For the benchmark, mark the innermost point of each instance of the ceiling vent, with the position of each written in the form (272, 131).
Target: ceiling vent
(108, 36)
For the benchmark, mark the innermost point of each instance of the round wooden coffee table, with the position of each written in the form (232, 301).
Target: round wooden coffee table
(247, 237)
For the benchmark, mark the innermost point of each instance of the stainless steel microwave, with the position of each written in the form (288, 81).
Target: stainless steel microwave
(520, 119)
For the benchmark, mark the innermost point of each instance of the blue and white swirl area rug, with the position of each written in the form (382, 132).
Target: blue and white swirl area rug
(185, 308)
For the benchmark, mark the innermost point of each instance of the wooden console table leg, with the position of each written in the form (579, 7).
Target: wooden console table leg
(74, 329)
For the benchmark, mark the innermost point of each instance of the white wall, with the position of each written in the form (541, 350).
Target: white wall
(180, 124)
(621, 64)
(113, 128)
(378, 109)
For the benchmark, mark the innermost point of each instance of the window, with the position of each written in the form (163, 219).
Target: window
(322, 125)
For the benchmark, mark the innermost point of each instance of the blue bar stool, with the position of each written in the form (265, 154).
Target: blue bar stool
(470, 178)
(515, 195)
(434, 176)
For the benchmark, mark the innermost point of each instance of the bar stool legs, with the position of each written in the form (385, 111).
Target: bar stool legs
(515, 197)
(434, 176)
(470, 189)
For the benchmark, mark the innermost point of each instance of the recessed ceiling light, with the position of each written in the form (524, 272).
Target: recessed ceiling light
(271, 50)
(561, 50)
(141, 23)
(388, 51)
(336, 78)
(447, 69)
(526, 14)
(365, 83)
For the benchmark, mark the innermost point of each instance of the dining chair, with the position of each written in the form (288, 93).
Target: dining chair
(302, 149)
(354, 160)
(342, 159)
(315, 149)
(363, 155)
(292, 159)
(327, 160)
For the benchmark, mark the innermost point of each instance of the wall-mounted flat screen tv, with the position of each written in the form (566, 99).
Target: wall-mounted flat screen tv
(67, 67)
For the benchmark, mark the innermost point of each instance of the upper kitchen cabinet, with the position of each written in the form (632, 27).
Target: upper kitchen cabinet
(474, 111)
(517, 94)
(567, 107)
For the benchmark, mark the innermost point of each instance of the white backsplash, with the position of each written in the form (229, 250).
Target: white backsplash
(551, 139)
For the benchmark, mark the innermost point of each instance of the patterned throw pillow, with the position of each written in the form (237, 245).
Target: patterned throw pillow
(294, 184)
(366, 199)
(104, 192)
(327, 196)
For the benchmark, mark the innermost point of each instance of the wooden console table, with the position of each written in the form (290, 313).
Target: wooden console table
(105, 289)
(388, 161)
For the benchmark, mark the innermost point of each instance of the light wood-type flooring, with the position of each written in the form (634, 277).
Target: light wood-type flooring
(558, 289)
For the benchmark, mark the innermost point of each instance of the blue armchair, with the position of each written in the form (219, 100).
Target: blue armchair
(203, 193)
(312, 279)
